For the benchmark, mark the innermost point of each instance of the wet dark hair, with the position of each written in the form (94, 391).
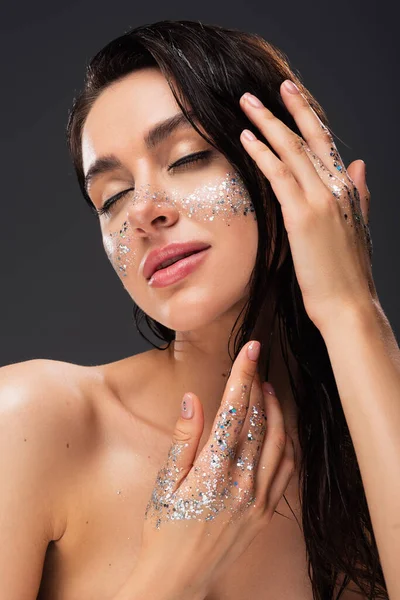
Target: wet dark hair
(210, 67)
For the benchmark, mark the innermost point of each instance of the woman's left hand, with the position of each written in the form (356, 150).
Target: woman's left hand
(324, 207)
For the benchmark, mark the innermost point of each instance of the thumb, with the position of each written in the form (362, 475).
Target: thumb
(187, 434)
(356, 171)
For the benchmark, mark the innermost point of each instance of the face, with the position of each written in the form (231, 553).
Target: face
(162, 199)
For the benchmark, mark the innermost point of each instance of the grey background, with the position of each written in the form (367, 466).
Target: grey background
(60, 297)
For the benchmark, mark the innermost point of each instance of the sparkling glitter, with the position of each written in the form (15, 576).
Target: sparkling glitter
(343, 189)
(222, 480)
(225, 199)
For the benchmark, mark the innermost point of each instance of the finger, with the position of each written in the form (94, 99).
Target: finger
(185, 439)
(283, 183)
(273, 446)
(250, 442)
(229, 420)
(356, 171)
(221, 446)
(289, 146)
(315, 133)
(283, 475)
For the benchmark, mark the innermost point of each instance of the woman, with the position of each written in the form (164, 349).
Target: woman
(278, 252)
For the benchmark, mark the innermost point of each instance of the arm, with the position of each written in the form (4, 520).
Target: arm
(366, 363)
(27, 498)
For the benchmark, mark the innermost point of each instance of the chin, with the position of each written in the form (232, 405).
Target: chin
(196, 307)
(188, 322)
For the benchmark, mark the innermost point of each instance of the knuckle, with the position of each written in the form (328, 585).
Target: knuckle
(246, 498)
(257, 506)
(291, 467)
(328, 204)
(268, 115)
(290, 471)
(281, 171)
(264, 511)
(323, 135)
(289, 452)
(295, 144)
(290, 444)
(263, 149)
(181, 435)
(279, 438)
(258, 511)
(248, 372)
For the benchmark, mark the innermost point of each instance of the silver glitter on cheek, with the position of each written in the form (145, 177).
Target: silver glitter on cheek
(225, 199)
(220, 482)
(119, 252)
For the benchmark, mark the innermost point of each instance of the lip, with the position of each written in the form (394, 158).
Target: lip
(178, 270)
(159, 255)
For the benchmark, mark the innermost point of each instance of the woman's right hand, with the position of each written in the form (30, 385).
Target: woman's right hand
(202, 515)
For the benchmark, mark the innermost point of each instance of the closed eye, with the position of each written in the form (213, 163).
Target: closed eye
(182, 163)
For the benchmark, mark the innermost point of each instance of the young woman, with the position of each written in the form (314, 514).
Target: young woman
(107, 492)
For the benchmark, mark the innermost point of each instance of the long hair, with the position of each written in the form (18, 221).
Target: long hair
(210, 67)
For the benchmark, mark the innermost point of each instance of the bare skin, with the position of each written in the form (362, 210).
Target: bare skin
(102, 432)
(101, 507)
(101, 541)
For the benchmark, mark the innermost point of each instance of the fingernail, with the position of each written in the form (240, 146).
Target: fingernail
(253, 350)
(187, 407)
(291, 87)
(268, 389)
(252, 100)
(248, 135)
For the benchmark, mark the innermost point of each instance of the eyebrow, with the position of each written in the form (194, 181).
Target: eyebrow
(157, 134)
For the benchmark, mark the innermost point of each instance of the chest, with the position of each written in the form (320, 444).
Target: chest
(107, 502)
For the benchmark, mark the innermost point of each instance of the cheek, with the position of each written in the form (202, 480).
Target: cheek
(237, 241)
(223, 213)
(120, 249)
(235, 257)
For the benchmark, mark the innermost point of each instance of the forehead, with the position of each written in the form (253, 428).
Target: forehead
(124, 111)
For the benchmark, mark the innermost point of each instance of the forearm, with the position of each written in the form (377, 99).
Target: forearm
(366, 363)
(147, 582)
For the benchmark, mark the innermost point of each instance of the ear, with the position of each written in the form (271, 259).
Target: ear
(356, 171)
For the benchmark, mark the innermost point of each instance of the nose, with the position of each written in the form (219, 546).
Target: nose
(150, 210)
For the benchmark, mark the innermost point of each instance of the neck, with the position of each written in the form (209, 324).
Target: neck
(200, 363)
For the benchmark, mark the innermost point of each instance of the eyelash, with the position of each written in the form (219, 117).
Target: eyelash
(183, 162)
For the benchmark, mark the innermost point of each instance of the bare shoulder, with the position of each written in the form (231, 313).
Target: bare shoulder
(45, 406)
(38, 385)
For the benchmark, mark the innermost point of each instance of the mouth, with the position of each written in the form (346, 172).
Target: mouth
(178, 270)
